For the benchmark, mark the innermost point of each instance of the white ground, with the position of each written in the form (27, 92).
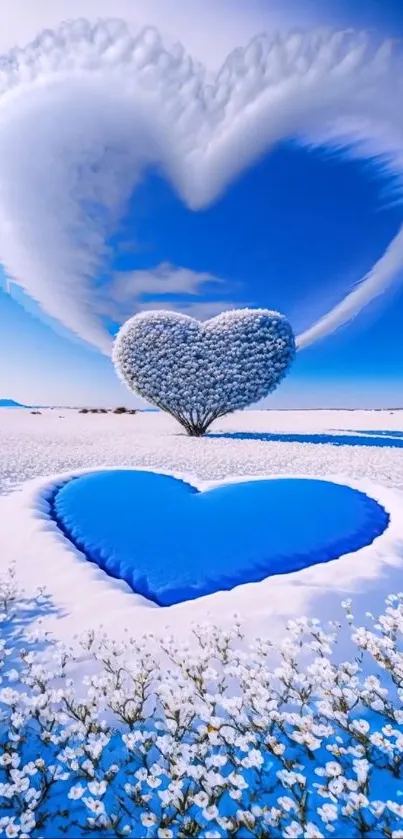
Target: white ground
(63, 441)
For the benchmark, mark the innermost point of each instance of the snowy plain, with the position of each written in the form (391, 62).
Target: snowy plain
(38, 452)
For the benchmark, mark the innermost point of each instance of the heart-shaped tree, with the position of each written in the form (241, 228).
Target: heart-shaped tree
(201, 371)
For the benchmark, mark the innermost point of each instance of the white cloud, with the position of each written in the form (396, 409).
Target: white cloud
(164, 279)
(374, 284)
(84, 110)
(201, 310)
(209, 28)
(125, 294)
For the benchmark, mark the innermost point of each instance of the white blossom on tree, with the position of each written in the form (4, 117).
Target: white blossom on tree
(201, 371)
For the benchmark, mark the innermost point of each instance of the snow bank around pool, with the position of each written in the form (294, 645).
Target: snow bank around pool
(84, 597)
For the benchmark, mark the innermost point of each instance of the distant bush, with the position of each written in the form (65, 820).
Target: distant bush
(93, 411)
(36, 412)
(119, 410)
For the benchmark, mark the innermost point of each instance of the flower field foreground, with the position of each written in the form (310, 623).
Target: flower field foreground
(214, 739)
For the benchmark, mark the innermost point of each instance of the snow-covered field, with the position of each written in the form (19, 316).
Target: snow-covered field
(59, 440)
(37, 449)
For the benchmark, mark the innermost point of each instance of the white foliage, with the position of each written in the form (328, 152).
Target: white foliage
(85, 110)
(208, 739)
(199, 372)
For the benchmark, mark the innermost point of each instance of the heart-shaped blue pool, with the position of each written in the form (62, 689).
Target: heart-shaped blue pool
(172, 543)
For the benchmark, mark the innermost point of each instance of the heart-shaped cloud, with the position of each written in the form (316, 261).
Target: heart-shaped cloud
(85, 110)
(199, 372)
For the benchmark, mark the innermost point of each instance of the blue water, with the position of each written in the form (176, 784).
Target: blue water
(171, 543)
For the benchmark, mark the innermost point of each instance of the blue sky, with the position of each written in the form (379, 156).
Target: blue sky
(294, 233)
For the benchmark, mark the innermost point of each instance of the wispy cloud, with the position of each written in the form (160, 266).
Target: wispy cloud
(84, 110)
(136, 291)
(164, 279)
(201, 310)
(374, 284)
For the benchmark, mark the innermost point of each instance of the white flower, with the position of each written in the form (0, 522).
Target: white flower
(361, 726)
(21, 784)
(97, 787)
(255, 759)
(332, 768)
(88, 766)
(395, 808)
(210, 813)
(165, 797)
(201, 799)
(132, 739)
(148, 819)
(8, 696)
(153, 782)
(328, 812)
(12, 675)
(312, 832)
(378, 808)
(336, 786)
(237, 780)
(12, 830)
(76, 792)
(293, 830)
(95, 806)
(286, 803)
(361, 768)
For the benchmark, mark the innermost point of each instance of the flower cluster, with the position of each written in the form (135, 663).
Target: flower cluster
(213, 739)
(199, 372)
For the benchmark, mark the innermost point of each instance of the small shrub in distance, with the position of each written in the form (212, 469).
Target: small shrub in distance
(98, 410)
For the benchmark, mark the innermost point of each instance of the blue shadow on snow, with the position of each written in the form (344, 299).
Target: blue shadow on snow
(334, 439)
